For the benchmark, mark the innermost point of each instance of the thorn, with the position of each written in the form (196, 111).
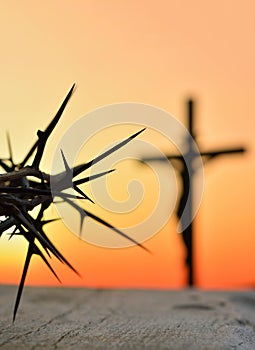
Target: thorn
(92, 177)
(68, 170)
(22, 281)
(80, 168)
(9, 147)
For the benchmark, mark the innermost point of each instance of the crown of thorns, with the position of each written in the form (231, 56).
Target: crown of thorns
(24, 187)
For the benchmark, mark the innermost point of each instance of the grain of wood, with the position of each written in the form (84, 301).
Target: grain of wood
(69, 318)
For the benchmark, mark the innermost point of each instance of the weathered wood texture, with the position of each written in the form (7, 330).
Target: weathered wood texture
(65, 318)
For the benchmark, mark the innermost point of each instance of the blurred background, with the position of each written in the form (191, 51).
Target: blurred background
(154, 52)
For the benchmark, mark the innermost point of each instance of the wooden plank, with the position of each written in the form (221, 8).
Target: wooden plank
(69, 318)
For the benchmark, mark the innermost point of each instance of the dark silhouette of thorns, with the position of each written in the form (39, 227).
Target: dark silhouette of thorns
(25, 187)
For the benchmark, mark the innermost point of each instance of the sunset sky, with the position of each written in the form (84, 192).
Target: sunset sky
(153, 52)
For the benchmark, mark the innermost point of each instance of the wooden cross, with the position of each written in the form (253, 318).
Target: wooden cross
(187, 173)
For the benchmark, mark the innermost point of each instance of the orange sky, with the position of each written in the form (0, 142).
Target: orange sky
(154, 52)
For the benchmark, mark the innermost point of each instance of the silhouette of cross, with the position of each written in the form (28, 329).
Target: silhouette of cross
(187, 173)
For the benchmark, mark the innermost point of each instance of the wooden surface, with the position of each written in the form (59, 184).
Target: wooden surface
(64, 318)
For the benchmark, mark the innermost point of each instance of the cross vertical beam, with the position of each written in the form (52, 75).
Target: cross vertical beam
(186, 199)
